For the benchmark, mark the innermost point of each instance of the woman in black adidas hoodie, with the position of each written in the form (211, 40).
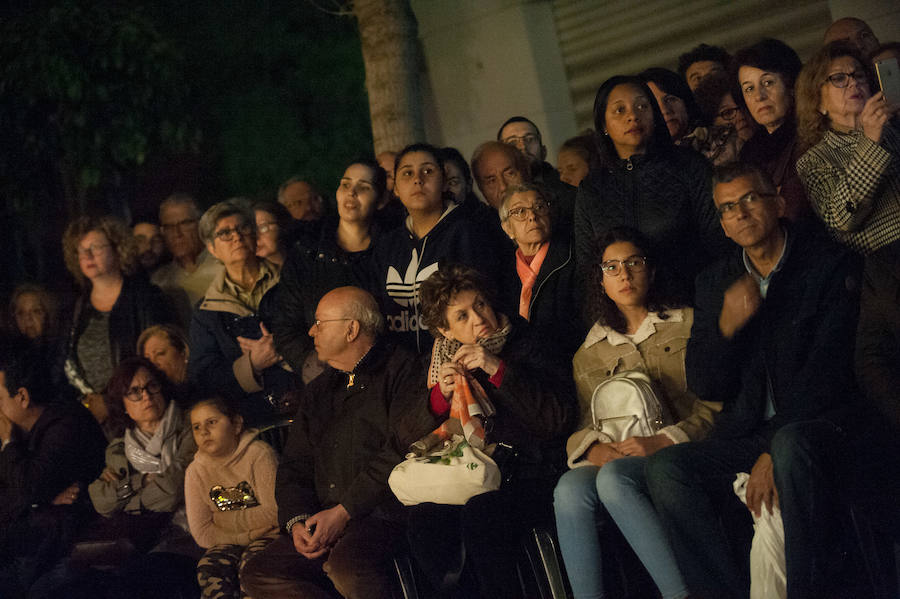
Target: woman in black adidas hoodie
(434, 231)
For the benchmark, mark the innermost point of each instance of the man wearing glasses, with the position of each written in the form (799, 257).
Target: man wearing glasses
(772, 339)
(355, 422)
(187, 277)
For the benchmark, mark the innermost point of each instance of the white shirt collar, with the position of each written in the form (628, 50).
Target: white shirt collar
(600, 332)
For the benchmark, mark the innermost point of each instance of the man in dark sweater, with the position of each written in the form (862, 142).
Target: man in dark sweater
(51, 452)
(355, 422)
(773, 340)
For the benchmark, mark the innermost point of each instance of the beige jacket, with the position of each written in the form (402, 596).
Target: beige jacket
(658, 349)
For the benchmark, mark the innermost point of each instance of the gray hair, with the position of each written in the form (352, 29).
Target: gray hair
(512, 190)
(364, 309)
(728, 172)
(216, 212)
(181, 199)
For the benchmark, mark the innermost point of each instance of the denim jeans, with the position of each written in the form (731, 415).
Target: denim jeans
(620, 487)
(691, 486)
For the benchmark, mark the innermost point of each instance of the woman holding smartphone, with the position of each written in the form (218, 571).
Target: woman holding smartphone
(852, 171)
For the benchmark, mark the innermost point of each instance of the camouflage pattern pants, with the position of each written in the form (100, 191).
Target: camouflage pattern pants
(217, 570)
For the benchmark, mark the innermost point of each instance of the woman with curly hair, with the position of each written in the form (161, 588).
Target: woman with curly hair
(635, 330)
(113, 309)
(470, 550)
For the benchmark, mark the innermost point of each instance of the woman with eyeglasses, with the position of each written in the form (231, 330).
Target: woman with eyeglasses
(724, 127)
(140, 492)
(151, 447)
(232, 350)
(543, 287)
(113, 309)
(765, 74)
(273, 231)
(636, 328)
(852, 171)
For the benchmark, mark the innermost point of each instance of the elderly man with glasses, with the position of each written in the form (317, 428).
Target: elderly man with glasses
(772, 339)
(355, 421)
(187, 277)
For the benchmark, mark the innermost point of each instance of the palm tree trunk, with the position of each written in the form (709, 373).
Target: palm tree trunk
(389, 35)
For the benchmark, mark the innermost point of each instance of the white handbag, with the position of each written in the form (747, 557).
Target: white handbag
(450, 475)
(626, 405)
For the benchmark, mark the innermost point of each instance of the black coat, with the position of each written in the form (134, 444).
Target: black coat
(878, 334)
(801, 338)
(346, 439)
(140, 304)
(535, 404)
(555, 309)
(313, 268)
(64, 446)
(666, 195)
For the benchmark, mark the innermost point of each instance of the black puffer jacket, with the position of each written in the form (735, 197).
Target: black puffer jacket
(665, 195)
(313, 268)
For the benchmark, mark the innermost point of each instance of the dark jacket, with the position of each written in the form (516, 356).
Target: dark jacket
(555, 308)
(139, 305)
(562, 200)
(401, 262)
(777, 154)
(535, 404)
(313, 268)
(218, 365)
(64, 446)
(878, 334)
(665, 195)
(346, 439)
(801, 338)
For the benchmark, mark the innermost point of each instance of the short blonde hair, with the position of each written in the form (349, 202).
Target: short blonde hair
(117, 233)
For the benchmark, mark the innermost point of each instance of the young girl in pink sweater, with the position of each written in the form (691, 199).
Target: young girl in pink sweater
(229, 492)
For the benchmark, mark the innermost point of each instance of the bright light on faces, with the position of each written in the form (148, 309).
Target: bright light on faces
(419, 182)
(356, 195)
(767, 96)
(469, 317)
(629, 119)
(843, 105)
(628, 288)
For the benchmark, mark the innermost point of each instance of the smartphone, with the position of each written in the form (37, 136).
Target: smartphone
(889, 80)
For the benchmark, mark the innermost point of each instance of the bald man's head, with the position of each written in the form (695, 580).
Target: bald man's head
(853, 30)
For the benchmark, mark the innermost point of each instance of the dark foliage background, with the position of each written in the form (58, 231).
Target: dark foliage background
(110, 106)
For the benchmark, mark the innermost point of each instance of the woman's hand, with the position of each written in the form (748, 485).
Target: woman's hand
(447, 378)
(600, 454)
(875, 114)
(472, 356)
(109, 475)
(643, 446)
(67, 496)
(262, 351)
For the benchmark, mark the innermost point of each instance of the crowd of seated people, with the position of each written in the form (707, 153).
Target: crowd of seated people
(728, 233)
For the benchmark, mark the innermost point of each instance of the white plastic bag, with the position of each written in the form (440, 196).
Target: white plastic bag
(768, 575)
(452, 475)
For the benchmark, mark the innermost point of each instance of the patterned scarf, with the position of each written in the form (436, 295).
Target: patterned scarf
(152, 454)
(528, 274)
(470, 404)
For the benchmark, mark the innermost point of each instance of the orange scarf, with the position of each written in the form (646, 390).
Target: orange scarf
(528, 275)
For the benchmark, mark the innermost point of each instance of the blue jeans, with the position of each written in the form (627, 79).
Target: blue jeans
(620, 487)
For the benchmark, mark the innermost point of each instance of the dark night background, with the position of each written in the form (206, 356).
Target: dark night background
(111, 106)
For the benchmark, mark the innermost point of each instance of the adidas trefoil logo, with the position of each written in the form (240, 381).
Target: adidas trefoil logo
(405, 290)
